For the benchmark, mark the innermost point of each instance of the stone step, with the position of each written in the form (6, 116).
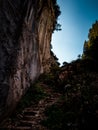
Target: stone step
(22, 128)
(31, 110)
(28, 117)
(25, 123)
(17, 128)
(28, 109)
(29, 113)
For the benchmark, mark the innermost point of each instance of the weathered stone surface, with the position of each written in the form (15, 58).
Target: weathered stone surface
(26, 27)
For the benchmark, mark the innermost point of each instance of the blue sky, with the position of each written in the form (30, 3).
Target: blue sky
(77, 17)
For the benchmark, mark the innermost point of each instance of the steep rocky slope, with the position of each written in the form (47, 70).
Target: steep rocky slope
(68, 101)
(25, 35)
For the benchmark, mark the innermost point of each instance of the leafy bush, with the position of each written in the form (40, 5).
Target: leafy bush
(78, 107)
(33, 95)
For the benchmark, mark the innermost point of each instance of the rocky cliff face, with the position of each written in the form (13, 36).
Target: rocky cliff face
(26, 27)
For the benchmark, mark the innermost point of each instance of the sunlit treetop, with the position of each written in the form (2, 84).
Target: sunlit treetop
(91, 46)
(93, 32)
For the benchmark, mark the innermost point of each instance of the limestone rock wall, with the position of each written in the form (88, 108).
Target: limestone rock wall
(25, 33)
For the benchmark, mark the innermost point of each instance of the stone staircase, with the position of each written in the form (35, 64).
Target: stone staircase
(31, 117)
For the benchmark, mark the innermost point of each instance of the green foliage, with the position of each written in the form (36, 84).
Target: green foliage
(55, 57)
(51, 78)
(54, 119)
(58, 118)
(33, 95)
(56, 7)
(48, 79)
(77, 109)
(93, 32)
(58, 27)
(79, 56)
(90, 50)
(65, 64)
